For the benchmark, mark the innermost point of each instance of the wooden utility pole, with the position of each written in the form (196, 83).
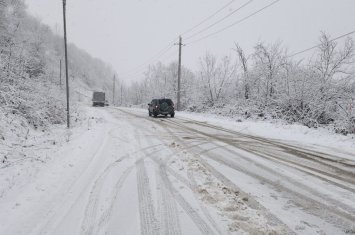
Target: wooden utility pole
(66, 61)
(179, 76)
(60, 73)
(113, 90)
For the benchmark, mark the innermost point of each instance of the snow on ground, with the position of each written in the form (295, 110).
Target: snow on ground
(297, 134)
(122, 172)
(294, 133)
(46, 158)
(295, 190)
(23, 152)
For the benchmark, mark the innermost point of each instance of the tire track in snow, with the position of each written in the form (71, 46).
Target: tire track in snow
(231, 163)
(342, 216)
(148, 220)
(55, 211)
(305, 202)
(275, 159)
(252, 203)
(108, 212)
(189, 210)
(333, 178)
(312, 206)
(89, 222)
(316, 155)
(169, 218)
(199, 222)
(319, 158)
(191, 186)
(191, 183)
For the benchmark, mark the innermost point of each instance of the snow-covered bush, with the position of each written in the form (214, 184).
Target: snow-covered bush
(267, 84)
(26, 90)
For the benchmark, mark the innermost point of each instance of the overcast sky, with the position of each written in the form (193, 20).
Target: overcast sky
(127, 33)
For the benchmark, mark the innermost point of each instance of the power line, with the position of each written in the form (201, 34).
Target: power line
(209, 17)
(219, 21)
(139, 69)
(168, 47)
(314, 47)
(235, 23)
(157, 55)
(168, 56)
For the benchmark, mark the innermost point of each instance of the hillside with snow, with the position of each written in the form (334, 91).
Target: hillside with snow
(32, 87)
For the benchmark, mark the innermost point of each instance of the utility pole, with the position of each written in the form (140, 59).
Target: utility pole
(60, 73)
(179, 76)
(66, 61)
(113, 90)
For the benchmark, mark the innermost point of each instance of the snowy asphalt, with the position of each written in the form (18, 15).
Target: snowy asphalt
(134, 174)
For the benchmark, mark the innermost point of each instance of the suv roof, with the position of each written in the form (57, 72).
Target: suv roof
(163, 99)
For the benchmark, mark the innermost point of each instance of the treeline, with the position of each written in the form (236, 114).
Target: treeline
(30, 54)
(269, 84)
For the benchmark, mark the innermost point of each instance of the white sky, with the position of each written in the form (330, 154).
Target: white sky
(127, 33)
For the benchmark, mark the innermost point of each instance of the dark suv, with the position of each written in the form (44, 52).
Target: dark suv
(161, 107)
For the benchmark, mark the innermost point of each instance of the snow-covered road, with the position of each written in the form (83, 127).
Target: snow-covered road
(132, 174)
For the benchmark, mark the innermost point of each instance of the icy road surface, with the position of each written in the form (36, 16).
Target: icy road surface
(132, 174)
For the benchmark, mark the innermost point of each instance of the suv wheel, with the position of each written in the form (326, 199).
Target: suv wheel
(155, 115)
(150, 114)
(172, 115)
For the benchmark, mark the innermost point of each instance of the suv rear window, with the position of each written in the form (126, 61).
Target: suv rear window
(168, 101)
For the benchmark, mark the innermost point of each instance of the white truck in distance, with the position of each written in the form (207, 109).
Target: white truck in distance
(98, 99)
